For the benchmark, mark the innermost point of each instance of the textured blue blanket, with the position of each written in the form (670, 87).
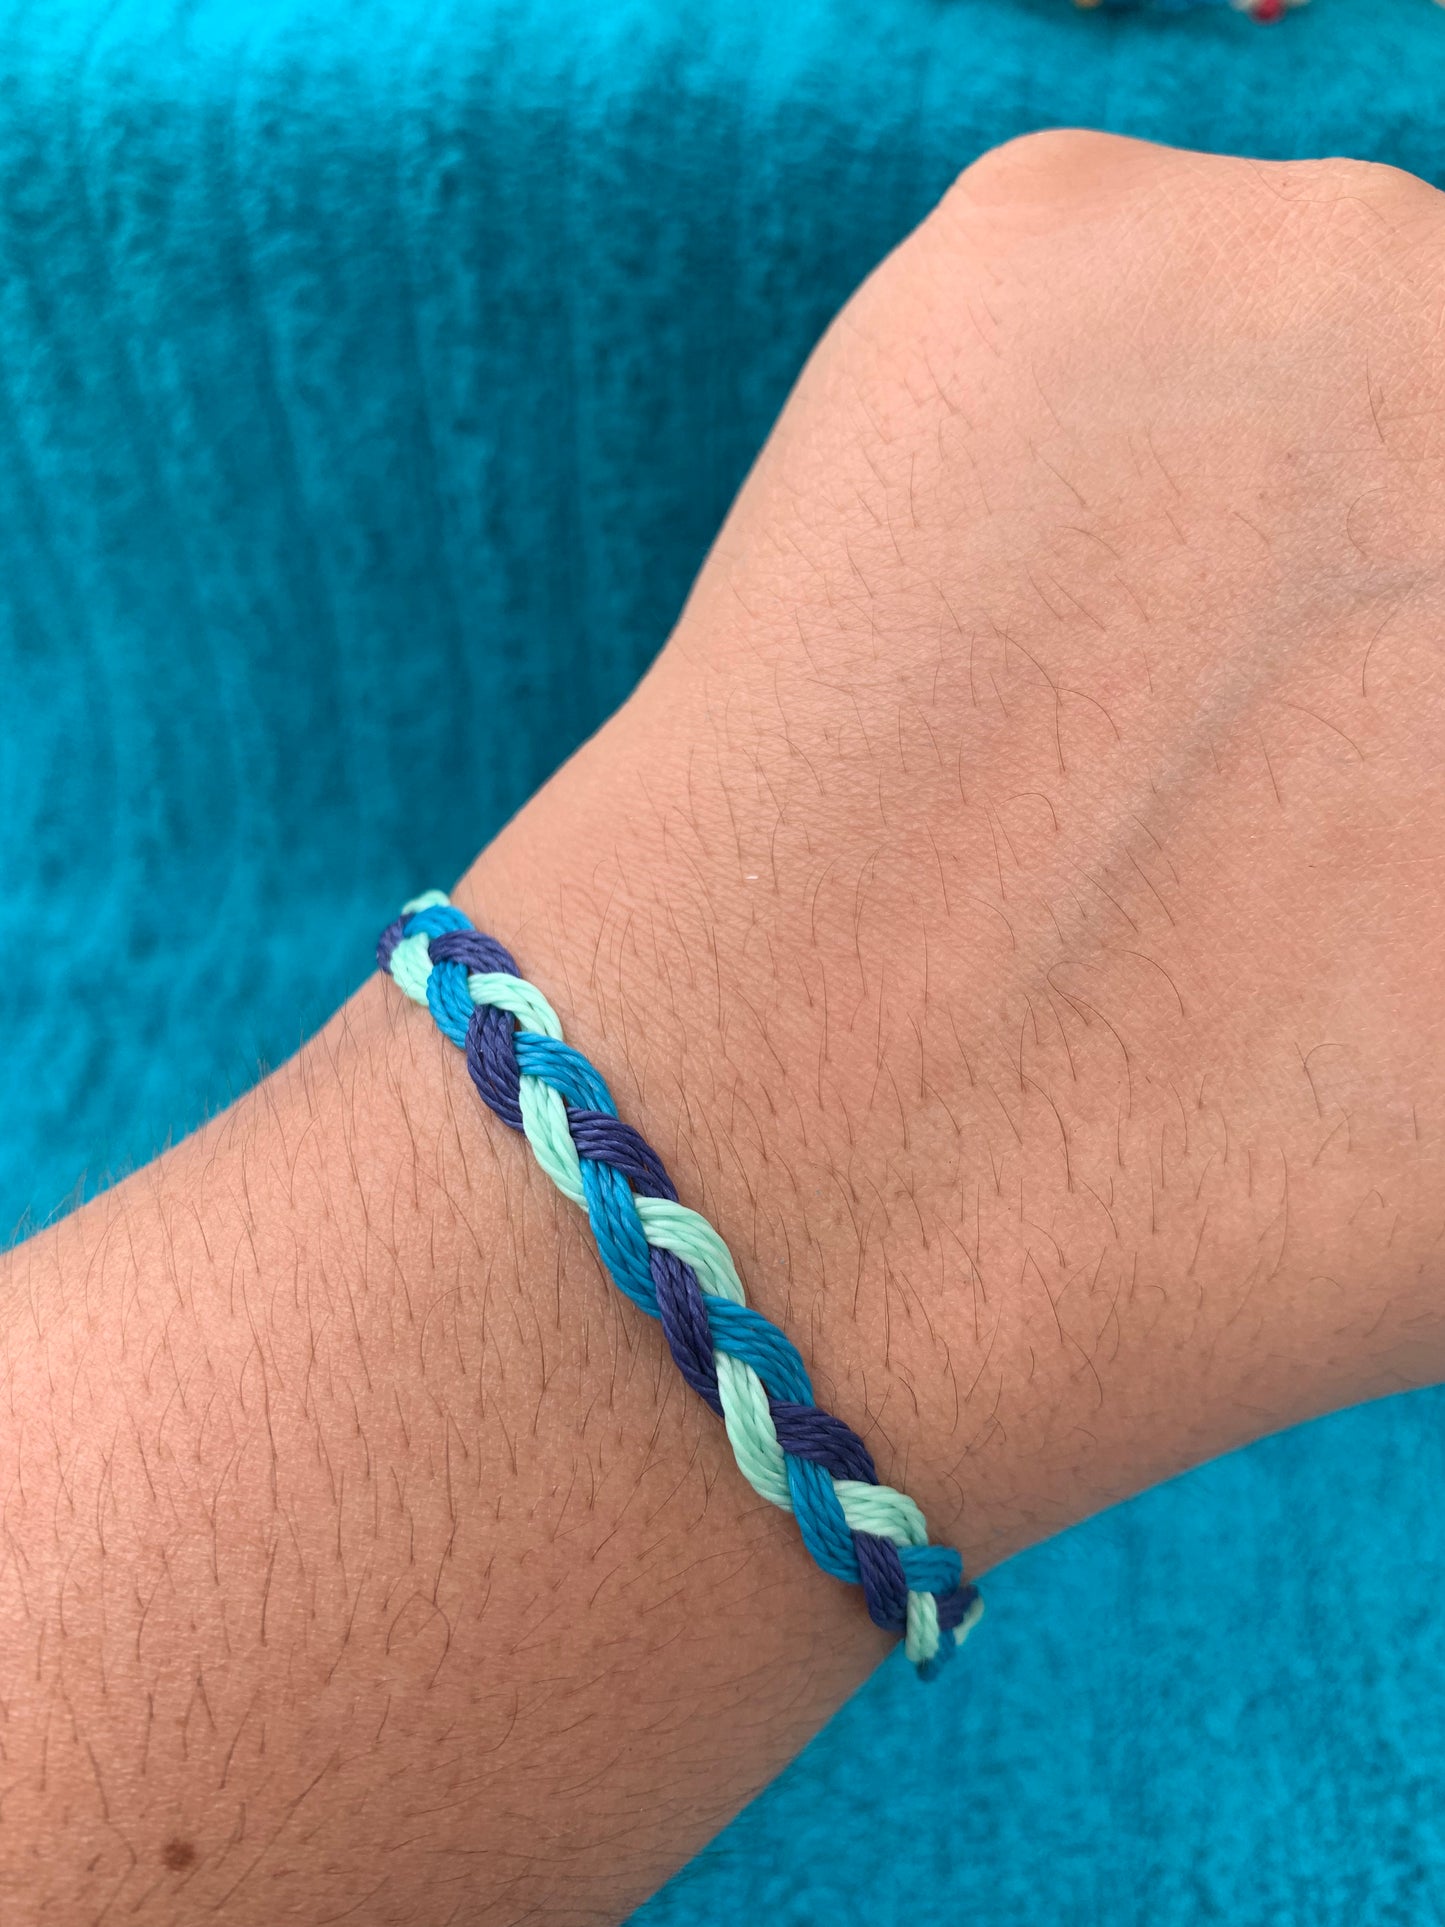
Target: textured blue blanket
(373, 374)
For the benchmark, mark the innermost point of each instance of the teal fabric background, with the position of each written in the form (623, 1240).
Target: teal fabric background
(373, 374)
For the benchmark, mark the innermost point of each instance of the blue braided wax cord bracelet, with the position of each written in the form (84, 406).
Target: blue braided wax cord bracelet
(672, 1263)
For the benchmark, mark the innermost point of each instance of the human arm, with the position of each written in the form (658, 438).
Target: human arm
(1011, 907)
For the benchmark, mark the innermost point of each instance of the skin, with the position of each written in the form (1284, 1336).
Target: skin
(1012, 906)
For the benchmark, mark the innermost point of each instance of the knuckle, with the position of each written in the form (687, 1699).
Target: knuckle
(1339, 175)
(1055, 166)
(1065, 165)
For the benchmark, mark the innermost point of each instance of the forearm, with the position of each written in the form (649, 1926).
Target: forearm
(362, 1546)
(358, 1544)
(362, 1549)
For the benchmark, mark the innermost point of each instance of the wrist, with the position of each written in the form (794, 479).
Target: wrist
(1040, 1231)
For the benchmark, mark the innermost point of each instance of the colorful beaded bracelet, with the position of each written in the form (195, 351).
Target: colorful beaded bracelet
(673, 1265)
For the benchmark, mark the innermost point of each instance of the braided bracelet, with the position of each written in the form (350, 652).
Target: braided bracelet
(672, 1263)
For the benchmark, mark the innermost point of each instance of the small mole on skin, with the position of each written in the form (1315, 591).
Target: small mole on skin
(178, 1855)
